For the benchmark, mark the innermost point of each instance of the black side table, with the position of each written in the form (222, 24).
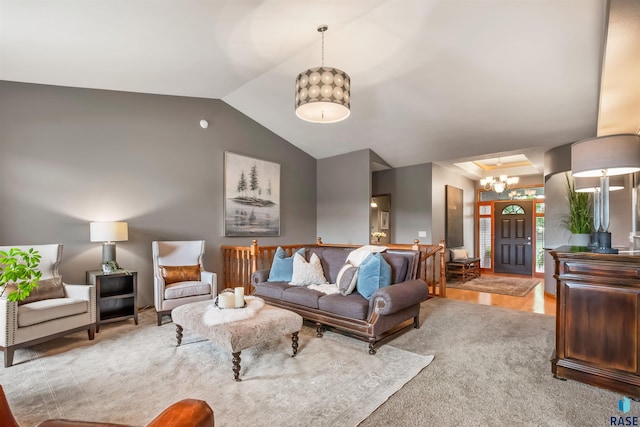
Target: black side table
(116, 296)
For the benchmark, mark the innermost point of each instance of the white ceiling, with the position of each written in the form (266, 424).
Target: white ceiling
(432, 80)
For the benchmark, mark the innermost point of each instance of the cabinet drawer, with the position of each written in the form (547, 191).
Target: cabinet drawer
(617, 270)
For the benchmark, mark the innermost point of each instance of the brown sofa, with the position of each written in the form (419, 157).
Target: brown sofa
(389, 312)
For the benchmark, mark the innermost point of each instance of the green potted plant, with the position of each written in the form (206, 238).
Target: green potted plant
(579, 221)
(18, 268)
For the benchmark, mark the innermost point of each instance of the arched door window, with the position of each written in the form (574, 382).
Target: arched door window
(513, 210)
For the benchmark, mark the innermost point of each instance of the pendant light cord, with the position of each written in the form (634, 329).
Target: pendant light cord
(322, 49)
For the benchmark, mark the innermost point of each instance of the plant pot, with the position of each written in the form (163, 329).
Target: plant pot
(580, 239)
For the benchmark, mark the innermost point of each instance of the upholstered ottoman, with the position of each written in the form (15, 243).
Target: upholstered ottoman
(267, 324)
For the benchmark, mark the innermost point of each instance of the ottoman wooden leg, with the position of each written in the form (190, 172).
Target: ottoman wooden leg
(236, 366)
(179, 335)
(294, 343)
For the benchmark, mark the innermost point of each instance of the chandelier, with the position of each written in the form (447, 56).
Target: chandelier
(499, 184)
(323, 93)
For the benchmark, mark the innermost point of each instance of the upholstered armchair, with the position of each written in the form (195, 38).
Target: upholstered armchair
(185, 413)
(178, 275)
(54, 309)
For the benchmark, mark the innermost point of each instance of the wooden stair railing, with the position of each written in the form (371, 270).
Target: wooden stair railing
(239, 262)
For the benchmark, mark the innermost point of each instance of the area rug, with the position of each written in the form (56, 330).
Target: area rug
(513, 286)
(492, 368)
(129, 374)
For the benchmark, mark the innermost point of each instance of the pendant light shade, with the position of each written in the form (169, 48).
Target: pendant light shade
(323, 94)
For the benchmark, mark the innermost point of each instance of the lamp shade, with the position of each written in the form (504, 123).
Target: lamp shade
(108, 231)
(323, 95)
(610, 155)
(591, 184)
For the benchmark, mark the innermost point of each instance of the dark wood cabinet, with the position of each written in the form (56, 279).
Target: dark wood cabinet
(116, 296)
(598, 319)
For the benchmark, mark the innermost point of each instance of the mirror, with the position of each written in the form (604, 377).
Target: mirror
(380, 219)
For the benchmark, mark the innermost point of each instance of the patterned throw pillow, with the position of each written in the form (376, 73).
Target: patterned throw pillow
(347, 278)
(282, 266)
(180, 273)
(307, 273)
(375, 273)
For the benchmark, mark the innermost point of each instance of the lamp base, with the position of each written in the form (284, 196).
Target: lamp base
(108, 252)
(604, 243)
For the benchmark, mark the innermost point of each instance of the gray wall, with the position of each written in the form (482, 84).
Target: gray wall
(410, 190)
(442, 177)
(344, 193)
(71, 156)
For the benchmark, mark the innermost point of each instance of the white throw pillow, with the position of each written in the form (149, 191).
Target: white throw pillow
(307, 273)
(459, 254)
(347, 278)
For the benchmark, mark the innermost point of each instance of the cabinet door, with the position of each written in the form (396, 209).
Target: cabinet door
(601, 325)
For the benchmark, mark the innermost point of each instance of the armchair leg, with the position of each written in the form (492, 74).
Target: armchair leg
(91, 332)
(161, 314)
(8, 357)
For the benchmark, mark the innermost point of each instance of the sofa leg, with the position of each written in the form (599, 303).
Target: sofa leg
(91, 332)
(159, 318)
(416, 322)
(319, 330)
(372, 349)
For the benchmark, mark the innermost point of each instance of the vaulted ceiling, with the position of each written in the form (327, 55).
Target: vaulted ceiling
(432, 80)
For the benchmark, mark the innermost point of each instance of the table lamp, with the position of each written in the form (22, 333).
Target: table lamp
(108, 233)
(603, 157)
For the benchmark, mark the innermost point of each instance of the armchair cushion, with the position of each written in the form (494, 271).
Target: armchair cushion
(186, 289)
(179, 273)
(459, 254)
(50, 309)
(47, 289)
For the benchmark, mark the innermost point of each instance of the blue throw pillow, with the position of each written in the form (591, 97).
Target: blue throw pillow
(282, 266)
(374, 273)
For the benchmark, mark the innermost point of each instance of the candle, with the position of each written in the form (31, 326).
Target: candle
(226, 300)
(239, 291)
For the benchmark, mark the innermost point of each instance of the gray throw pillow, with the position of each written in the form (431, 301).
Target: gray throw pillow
(347, 278)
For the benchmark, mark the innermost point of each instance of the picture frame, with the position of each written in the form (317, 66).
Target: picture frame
(384, 220)
(251, 196)
(454, 227)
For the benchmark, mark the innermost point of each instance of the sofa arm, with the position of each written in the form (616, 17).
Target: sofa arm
(259, 276)
(8, 321)
(391, 299)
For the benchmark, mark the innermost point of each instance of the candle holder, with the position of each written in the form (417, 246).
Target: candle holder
(229, 297)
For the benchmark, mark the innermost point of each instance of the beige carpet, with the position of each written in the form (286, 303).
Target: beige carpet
(514, 286)
(131, 373)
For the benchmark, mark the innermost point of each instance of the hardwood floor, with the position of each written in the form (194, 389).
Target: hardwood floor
(534, 302)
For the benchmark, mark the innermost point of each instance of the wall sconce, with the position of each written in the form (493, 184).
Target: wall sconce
(108, 233)
(604, 157)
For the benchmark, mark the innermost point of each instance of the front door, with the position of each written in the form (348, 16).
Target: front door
(512, 241)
